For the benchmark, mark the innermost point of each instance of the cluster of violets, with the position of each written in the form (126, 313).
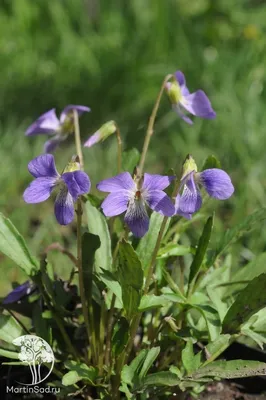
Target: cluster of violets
(127, 194)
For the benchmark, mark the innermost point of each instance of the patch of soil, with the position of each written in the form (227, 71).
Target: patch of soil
(228, 391)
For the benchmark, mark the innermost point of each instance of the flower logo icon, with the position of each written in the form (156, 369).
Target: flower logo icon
(35, 352)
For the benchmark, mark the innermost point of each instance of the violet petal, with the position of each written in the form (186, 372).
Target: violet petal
(178, 211)
(77, 183)
(70, 107)
(46, 124)
(190, 199)
(177, 109)
(19, 292)
(115, 203)
(198, 104)
(39, 190)
(43, 166)
(160, 202)
(156, 182)
(118, 182)
(64, 207)
(137, 218)
(95, 138)
(180, 77)
(51, 145)
(217, 183)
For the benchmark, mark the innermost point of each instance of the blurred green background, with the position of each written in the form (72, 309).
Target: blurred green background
(112, 55)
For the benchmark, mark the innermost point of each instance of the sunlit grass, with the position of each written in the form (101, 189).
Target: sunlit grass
(114, 60)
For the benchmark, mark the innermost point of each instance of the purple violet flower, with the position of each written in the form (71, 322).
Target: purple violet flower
(216, 182)
(132, 196)
(71, 184)
(196, 103)
(19, 292)
(49, 124)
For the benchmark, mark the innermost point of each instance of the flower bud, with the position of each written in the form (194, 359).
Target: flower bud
(171, 323)
(189, 166)
(73, 165)
(174, 92)
(103, 133)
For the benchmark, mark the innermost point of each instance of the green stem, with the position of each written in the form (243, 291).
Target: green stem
(91, 337)
(101, 338)
(58, 247)
(136, 320)
(77, 139)
(172, 284)
(182, 274)
(119, 149)
(108, 348)
(86, 305)
(151, 126)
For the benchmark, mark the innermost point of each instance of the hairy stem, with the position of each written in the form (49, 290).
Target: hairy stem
(136, 320)
(77, 139)
(81, 282)
(119, 149)
(58, 247)
(86, 309)
(151, 126)
(101, 338)
(108, 348)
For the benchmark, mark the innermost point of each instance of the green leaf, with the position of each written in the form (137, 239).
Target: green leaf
(212, 319)
(149, 360)
(190, 361)
(258, 338)
(233, 234)
(90, 243)
(211, 162)
(130, 277)
(111, 283)
(164, 378)
(8, 354)
(124, 389)
(46, 281)
(172, 288)
(130, 372)
(248, 302)
(201, 249)
(215, 297)
(230, 369)
(13, 246)
(173, 250)
(148, 302)
(78, 372)
(240, 278)
(70, 378)
(120, 335)
(15, 363)
(176, 371)
(130, 159)
(215, 348)
(258, 321)
(42, 326)
(98, 226)
(148, 242)
(9, 328)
